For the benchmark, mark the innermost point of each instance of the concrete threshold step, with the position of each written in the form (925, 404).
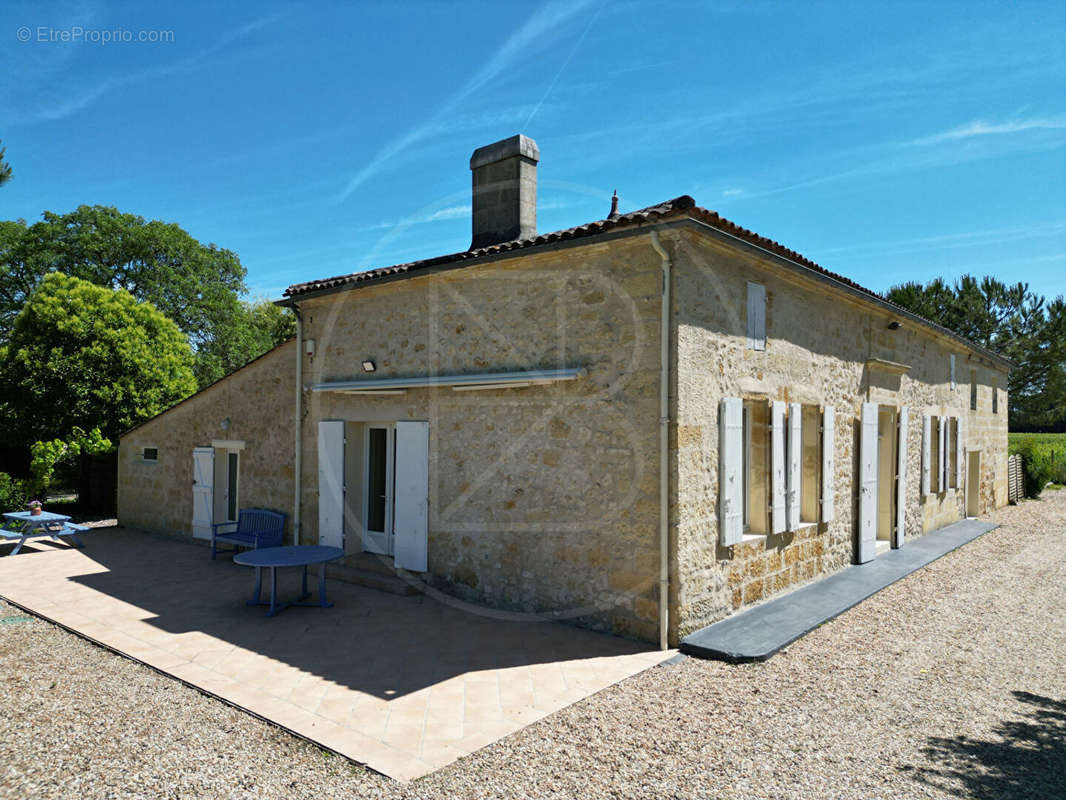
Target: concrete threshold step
(761, 631)
(394, 584)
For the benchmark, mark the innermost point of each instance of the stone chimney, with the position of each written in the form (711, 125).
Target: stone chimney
(505, 191)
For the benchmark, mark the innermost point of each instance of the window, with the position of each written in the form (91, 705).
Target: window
(810, 463)
(973, 390)
(995, 396)
(935, 472)
(756, 468)
(756, 316)
(954, 385)
(150, 454)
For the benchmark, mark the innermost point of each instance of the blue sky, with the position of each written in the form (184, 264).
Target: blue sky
(889, 142)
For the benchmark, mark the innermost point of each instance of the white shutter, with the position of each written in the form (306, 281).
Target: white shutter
(730, 464)
(411, 521)
(777, 447)
(203, 490)
(331, 483)
(867, 538)
(960, 452)
(901, 478)
(942, 461)
(927, 449)
(794, 449)
(828, 462)
(756, 316)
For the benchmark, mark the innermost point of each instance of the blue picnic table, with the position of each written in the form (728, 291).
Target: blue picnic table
(275, 558)
(37, 526)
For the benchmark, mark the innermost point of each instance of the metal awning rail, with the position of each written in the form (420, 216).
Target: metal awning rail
(470, 382)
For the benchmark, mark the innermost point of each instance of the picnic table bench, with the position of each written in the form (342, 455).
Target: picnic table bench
(254, 527)
(24, 525)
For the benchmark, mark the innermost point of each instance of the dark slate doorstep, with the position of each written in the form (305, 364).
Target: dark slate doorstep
(758, 633)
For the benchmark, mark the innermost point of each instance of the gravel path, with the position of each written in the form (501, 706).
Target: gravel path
(950, 683)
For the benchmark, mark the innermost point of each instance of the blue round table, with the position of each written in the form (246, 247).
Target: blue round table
(273, 558)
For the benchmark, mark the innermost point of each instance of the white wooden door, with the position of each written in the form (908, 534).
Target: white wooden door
(331, 483)
(412, 495)
(378, 481)
(867, 534)
(203, 481)
(901, 480)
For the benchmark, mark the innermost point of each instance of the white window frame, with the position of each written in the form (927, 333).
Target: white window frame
(144, 456)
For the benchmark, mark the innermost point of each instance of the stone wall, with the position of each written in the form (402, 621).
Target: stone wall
(543, 500)
(259, 401)
(819, 343)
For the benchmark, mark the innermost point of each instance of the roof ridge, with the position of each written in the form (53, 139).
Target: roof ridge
(681, 206)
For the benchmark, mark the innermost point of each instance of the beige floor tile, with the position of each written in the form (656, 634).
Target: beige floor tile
(402, 706)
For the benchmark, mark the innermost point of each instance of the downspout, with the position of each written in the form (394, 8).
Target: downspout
(298, 427)
(664, 446)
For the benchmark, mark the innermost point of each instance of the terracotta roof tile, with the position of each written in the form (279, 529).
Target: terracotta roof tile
(679, 207)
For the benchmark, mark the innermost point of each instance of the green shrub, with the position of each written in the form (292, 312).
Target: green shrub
(1036, 465)
(14, 493)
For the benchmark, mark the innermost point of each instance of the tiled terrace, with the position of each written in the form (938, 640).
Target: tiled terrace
(404, 685)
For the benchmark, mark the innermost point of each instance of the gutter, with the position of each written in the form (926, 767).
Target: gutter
(298, 426)
(664, 446)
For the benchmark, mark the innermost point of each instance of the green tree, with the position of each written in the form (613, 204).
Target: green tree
(253, 328)
(81, 355)
(195, 285)
(1013, 322)
(5, 168)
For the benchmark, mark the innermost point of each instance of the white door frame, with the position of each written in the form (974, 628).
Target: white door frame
(386, 539)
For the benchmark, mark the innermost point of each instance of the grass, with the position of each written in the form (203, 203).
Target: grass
(1049, 447)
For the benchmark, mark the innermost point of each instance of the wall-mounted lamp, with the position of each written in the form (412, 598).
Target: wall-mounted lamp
(894, 325)
(369, 366)
(224, 424)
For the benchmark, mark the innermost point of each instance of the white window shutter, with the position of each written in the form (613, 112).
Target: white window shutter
(942, 461)
(867, 538)
(795, 438)
(730, 464)
(927, 449)
(901, 478)
(331, 483)
(756, 316)
(411, 520)
(777, 447)
(960, 452)
(828, 462)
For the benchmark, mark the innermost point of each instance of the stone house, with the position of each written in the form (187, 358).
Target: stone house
(641, 424)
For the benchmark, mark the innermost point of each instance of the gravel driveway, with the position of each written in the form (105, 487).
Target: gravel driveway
(949, 683)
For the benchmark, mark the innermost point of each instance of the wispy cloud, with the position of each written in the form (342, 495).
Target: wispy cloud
(546, 22)
(452, 212)
(982, 128)
(978, 238)
(76, 98)
(732, 192)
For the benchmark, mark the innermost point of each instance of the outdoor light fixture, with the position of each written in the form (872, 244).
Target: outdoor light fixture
(894, 325)
(224, 424)
(368, 366)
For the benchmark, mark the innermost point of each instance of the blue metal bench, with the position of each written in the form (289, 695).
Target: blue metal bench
(255, 528)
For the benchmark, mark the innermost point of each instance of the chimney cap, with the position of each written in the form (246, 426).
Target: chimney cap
(517, 145)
